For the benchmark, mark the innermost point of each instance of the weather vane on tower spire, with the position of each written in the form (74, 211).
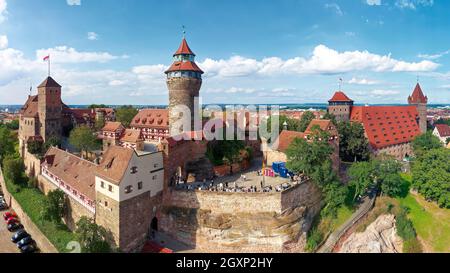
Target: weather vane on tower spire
(184, 31)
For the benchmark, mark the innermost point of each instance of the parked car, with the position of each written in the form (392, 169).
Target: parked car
(19, 235)
(25, 241)
(14, 227)
(9, 214)
(12, 220)
(31, 248)
(3, 206)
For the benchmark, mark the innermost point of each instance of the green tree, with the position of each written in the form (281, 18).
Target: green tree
(6, 142)
(84, 139)
(54, 206)
(34, 147)
(292, 124)
(13, 169)
(361, 177)
(93, 238)
(392, 185)
(443, 121)
(305, 156)
(353, 144)
(306, 119)
(13, 125)
(94, 106)
(331, 117)
(312, 157)
(425, 142)
(431, 176)
(125, 114)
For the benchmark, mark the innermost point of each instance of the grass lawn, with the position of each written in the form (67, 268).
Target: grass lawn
(432, 223)
(30, 200)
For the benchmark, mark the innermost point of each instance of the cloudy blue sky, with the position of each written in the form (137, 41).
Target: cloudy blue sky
(286, 51)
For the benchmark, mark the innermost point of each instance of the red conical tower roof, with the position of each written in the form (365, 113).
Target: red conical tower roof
(184, 49)
(418, 96)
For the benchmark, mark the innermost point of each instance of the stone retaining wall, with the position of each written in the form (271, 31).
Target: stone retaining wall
(222, 222)
(42, 242)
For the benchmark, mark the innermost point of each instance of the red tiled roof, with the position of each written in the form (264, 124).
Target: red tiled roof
(30, 108)
(285, 139)
(387, 125)
(79, 174)
(184, 49)
(443, 130)
(184, 66)
(340, 96)
(151, 118)
(131, 136)
(417, 96)
(325, 125)
(114, 163)
(112, 126)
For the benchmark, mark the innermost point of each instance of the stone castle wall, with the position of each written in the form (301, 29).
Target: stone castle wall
(399, 151)
(241, 222)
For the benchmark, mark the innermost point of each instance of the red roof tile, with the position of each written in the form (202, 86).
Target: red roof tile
(340, 96)
(131, 136)
(49, 82)
(78, 173)
(417, 96)
(114, 163)
(387, 125)
(184, 66)
(325, 125)
(112, 126)
(184, 49)
(151, 118)
(285, 139)
(443, 129)
(30, 108)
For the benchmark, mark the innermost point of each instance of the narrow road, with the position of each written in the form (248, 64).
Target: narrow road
(363, 209)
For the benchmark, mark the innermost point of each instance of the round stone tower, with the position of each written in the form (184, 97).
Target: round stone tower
(184, 80)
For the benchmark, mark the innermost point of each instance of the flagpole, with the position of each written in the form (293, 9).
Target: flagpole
(48, 65)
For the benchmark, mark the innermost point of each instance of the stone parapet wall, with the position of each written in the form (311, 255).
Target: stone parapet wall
(241, 222)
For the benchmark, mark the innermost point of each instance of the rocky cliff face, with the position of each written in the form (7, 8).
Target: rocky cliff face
(379, 237)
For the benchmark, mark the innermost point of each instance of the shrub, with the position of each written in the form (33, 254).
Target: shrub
(412, 246)
(314, 239)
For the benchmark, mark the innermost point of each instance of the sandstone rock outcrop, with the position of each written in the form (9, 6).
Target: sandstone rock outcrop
(379, 237)
(241, 222)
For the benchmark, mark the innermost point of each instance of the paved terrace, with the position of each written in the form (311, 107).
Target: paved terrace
(246, 181)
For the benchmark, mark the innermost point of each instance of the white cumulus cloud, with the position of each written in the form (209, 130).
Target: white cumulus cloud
(92, 36)
(413, 4)
(65, 54)
(3, 41)
(74, 2)
(373, 2)
(324, 60)
(362, 81)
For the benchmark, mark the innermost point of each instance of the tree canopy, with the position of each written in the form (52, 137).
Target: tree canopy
(125, 114)
(312, 158)
(353, 144)
(84, 139)
(93, 238)
(292, 124)
(54, 206)
(13, 168)
(306, 119)
(425, 142)
(93, 106)
(6, 142)
(431, 176)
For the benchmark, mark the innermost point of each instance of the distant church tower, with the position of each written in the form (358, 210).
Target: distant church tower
(340, 106)
(419, 100)
(50, 109)
(184, 80)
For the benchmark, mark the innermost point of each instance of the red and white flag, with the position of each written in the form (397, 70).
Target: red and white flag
(46, 58)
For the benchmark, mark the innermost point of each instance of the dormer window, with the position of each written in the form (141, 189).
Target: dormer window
(134, 170)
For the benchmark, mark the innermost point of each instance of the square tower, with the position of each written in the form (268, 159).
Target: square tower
(340, 106)
(50, 109)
